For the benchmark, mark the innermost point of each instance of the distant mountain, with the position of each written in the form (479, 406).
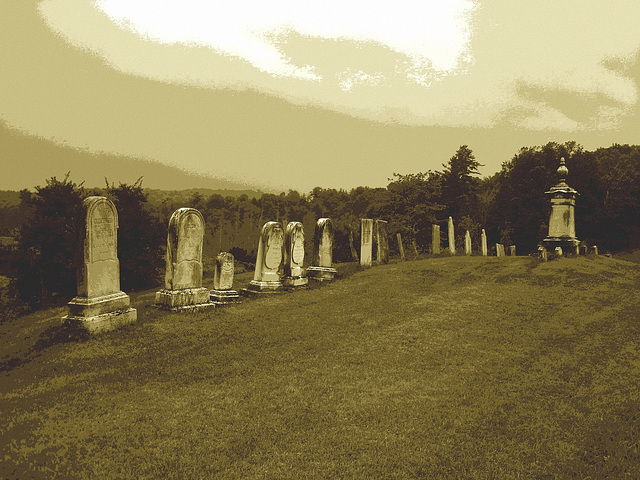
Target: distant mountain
(29, 161)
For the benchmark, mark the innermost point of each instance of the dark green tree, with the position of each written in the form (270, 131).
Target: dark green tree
(459, 183)
(141, 237)
(43, 261)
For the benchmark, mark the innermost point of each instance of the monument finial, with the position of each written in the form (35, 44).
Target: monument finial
(563, 171)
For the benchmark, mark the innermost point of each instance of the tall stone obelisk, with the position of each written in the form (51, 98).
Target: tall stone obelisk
(562, 226)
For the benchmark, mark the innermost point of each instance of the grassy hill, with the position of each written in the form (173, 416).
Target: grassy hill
(464, 367)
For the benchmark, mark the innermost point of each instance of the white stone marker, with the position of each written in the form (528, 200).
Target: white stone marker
(595, 249)
(467, 243)
(435, 239)
(183, 288)
(223, 293)
(452, 238)
(322, 268)
(512, 250)
(266, 278)
(366, 241)
(100, 305)
(294, 256)
(382, 239)
(483, 242)
(500, 250)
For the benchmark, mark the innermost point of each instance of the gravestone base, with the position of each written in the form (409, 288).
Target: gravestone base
(184, 299)
(101, 314)
(224, 297)
(321, 274)
(256, 287)
(568, 244)
(295, 282)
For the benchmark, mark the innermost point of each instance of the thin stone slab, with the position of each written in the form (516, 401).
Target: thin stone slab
(400, 246)
(322, 268)
(435, 239)
(382, 239)
(99, 305)
(452, 237)
(483, 243)
(266, 277)
(366, 242)
(467, 243)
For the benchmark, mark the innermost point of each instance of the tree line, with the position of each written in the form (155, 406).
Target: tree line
(510, 205)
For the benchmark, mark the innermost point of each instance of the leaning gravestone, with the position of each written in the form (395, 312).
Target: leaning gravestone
(322, 268)
(294, 256)
(266, 278)
(223, 293)
(435, 239)
(366, 241)
(183, 288)
(382, 239)
(100, 305)
(400, 246)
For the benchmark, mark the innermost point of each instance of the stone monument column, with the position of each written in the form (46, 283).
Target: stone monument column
(294, 256)
(452, 237)
(99, 305)
(322, 268)
(266, 278)
(562, 229)
(183, 288)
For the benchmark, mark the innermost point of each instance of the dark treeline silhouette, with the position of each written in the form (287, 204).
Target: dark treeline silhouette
(510, 205)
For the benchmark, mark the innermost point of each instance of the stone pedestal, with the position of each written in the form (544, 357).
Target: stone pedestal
(323, 274)
(99, 305)
(224, 297)
(257, 287)
(185, 299)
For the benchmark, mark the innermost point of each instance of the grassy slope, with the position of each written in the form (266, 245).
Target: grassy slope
(451, 367)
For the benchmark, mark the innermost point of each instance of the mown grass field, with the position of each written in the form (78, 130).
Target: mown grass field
(463, 367)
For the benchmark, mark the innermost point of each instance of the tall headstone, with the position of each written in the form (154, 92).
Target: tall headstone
(99, 305)
(467, 243)
(366, 241)
(223, 293)
(435, 239)
(499, 250)
(400, 246)
(452, 237)
(294, 256)
(322, 268)
(512, 250)
(266, 278)
(382, 239)
(183, 288)
(595, 249)
(483, 243)
(562, 230)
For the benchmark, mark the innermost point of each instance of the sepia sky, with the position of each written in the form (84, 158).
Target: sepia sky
(291, 94)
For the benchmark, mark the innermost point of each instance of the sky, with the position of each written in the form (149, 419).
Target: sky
(293, 94)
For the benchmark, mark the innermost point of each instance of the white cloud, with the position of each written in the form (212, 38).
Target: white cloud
(433, 30)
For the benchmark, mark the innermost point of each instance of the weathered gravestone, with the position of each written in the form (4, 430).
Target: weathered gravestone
(512, 250)
(266, 278)
(382, 239)
(452, 237)
(500, 250)
(435, 239)
(99, 305)
(366, 241)
(223, 293)
(483, 243)
(400, 246)
(183, 288)
(294, 256)
(562, 229)
(322, 268)
(467, 243)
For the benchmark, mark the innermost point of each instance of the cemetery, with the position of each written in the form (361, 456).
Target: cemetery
(307, 367)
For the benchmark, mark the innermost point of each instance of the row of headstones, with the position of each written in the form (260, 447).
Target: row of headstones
(435, 242)
(100, 304)
(558, 252)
